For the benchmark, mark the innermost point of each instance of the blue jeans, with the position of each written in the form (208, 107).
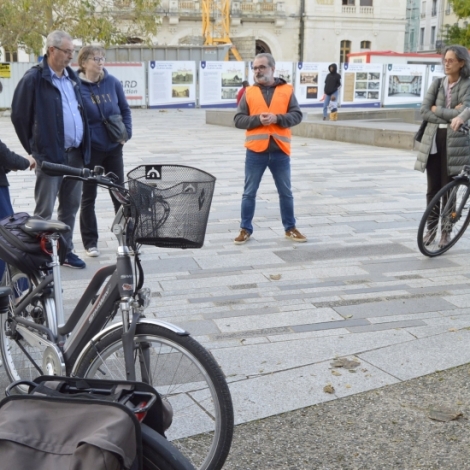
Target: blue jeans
(327, 102)
(279, 166)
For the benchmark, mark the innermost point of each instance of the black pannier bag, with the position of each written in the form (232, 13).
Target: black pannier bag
(22, 249)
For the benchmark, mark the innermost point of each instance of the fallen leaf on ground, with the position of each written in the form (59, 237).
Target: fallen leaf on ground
(453, 330)
(444, 414)
(335, 372)
(329, 388)
(345, 362)
(275, 277)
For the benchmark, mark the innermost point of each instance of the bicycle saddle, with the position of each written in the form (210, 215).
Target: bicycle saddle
(40, 225)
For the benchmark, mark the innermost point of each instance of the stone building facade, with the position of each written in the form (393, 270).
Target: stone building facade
(293, 30)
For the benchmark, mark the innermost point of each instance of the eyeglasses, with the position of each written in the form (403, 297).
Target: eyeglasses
(99, 59)
(450, 61)
(65, 51)
(260, 68)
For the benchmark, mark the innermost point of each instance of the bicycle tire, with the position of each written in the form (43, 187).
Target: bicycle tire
(16, 363)
(445, 219)
(160, 454)
(184, 373)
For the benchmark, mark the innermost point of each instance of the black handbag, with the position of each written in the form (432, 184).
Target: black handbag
(115, 127)
(419, 134)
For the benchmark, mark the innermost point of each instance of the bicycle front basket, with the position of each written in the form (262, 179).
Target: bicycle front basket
(170, 205)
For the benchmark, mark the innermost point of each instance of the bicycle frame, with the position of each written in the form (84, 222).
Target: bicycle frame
(72, 340)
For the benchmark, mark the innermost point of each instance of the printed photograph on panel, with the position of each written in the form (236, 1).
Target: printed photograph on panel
(180, 92)
(312, 92)
(308, 78)
(229, 93)
(405, 86)
(232, 80)
(178, 78)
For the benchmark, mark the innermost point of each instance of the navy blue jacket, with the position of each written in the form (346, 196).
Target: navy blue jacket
(10, 161)
(36, 114)
(112, 100)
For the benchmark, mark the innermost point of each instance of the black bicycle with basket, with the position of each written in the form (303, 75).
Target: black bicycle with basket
(161, 205)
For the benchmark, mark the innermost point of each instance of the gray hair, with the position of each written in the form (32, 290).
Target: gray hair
(462, 54)
(86, 52)
(55, 38)
(267, 55)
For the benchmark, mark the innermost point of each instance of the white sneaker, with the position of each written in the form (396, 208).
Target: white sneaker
(92, 252)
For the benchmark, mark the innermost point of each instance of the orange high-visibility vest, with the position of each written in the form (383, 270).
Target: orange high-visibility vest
(257, 139)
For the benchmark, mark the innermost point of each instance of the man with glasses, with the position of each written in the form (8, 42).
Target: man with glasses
(267, 111)
(50, 121)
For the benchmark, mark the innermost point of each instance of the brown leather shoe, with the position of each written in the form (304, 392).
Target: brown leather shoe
(429, 237)
(445, 239)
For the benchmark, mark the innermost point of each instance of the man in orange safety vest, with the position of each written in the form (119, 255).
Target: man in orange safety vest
(267, 111)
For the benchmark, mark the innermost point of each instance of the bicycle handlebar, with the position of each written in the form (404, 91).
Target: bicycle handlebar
(55, 169)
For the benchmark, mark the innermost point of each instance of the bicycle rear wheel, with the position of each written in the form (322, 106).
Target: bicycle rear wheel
(445, 219)
(14, 349)
(185, 374)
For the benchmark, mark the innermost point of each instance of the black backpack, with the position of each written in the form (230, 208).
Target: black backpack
(22, 249)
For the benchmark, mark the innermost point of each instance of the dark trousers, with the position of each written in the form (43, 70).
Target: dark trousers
(112, 161)
(68, 191)
(437, 174)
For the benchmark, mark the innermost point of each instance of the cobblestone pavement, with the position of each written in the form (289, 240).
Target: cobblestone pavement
(275, 313)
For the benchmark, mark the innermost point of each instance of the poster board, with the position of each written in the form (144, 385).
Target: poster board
(404, 85)
(172, 84)
(310, 82)
(361, 85)
(434, 72)
(132, 78)
(219, 83)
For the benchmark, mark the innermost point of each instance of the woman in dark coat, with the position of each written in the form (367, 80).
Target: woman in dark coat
(102, 94)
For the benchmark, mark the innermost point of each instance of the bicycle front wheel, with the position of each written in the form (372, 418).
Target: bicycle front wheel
(21, 360)
(185, 374)
(445, 219)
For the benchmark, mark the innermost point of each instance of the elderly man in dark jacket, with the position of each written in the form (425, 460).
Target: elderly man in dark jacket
(49, 119)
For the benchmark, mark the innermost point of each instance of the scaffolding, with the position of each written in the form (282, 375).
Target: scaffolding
(216, 25)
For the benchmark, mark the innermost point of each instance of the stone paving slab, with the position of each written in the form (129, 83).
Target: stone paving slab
(360, 270)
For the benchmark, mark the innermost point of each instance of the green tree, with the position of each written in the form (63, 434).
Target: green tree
(457, 34)
(26, 23)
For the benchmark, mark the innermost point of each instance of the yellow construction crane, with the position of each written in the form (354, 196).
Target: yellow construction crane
(216, 31)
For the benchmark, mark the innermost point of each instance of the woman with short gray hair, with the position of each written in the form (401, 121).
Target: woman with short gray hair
(103, 96)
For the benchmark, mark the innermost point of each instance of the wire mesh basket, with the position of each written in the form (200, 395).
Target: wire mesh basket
(170, 205)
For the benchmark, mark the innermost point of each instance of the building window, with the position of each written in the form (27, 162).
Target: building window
(365, 45)
(434, 8)
(348, 2)
(421, 37)
(366, 3)
(423, 9)
(433, 36)
(345, 49)
(11, 56)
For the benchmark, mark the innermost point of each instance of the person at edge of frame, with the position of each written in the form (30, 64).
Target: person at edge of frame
(442, 151)
(267, 111)
(103, 95)
(51, 124)
(10, 161)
